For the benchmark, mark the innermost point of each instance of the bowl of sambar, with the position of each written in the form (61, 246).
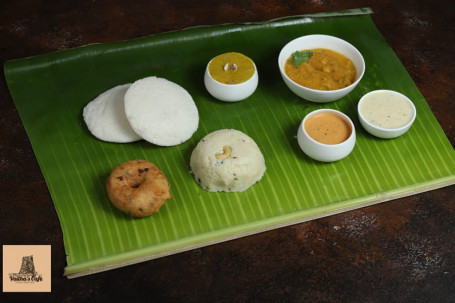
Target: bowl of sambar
(321, 68)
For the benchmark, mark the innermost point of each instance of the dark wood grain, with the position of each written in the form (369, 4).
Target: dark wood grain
(399, 251)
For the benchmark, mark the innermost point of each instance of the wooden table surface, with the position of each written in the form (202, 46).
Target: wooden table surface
(399, 251)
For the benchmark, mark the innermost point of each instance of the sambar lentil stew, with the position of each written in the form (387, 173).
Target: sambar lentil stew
(321, 69)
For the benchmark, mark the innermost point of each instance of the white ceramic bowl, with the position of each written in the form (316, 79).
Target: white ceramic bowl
(321, 41)
(381, 97)
(325, 152)
(231, 92)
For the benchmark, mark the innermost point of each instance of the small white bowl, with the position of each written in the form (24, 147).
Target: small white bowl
(321, 41)
(325, 152)
(231, 92)
(387, 102)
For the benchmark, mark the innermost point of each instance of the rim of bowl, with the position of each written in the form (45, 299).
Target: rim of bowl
(337, 112)
(281, 67)
(236, 84)
(383, 128)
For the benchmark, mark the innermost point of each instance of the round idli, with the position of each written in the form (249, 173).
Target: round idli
(160, 111)
(106, 119)
(227, 160)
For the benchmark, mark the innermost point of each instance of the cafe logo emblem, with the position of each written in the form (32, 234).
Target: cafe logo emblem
(27, 273)
(26, 268)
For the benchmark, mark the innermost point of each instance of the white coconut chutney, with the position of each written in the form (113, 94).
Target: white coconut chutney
(387, 109)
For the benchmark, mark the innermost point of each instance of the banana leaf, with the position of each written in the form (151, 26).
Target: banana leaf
(51, 90)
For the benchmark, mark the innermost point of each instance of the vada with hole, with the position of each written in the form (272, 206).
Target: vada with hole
(138, 188)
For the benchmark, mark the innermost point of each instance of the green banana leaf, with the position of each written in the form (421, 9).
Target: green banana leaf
(51, 90)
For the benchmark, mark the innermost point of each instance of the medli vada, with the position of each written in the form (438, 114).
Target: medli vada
(138, 188)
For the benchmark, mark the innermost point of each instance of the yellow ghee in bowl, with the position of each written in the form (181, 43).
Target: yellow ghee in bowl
(231, 68)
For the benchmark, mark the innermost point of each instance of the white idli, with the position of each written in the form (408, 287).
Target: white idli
(161, 111)
(105, 117)
(227, 160)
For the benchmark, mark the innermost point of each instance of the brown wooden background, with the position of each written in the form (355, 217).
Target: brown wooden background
(399, 251)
